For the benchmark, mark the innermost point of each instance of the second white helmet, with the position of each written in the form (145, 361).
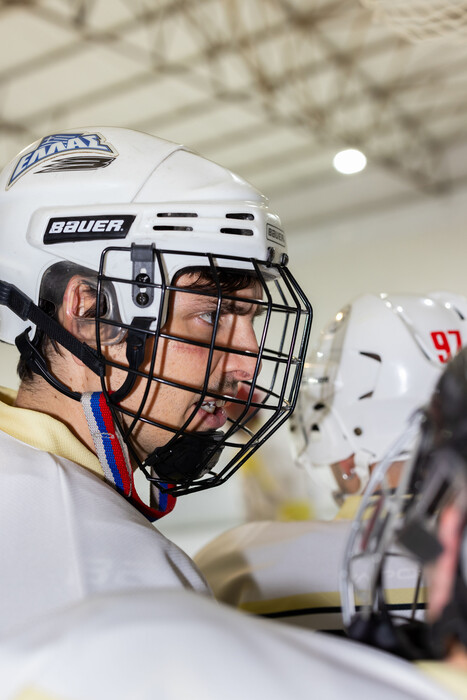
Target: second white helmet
(376, 362)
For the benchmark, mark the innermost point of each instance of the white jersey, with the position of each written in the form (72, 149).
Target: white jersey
(171, 644)
(290, 571)
(65, 534)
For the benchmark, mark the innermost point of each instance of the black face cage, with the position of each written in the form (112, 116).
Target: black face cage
(400, 525)
(197, 460)
(381, 585)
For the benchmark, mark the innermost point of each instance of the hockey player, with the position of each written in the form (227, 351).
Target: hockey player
(425, 520)
(144, 286)
(376, 363)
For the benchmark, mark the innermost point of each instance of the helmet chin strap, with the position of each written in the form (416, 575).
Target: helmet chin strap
(25, 308)
(114, 458)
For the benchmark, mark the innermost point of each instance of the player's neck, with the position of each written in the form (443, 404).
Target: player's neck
(40, 396)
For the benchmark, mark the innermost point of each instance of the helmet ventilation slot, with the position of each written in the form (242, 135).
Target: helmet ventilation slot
(174, 215)
(172, 228)
(238, 231)
(177, 214)
(240, 216)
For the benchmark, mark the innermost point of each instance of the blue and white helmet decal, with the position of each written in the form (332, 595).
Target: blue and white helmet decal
(76, 151)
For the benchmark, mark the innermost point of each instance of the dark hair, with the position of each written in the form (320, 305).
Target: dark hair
(229, 280)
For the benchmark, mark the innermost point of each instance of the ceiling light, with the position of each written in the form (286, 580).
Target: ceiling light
(349, 161)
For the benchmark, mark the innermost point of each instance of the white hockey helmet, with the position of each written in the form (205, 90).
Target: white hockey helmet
(375, 364)
(129, 211)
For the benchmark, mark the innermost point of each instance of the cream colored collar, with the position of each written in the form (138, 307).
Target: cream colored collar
(44, 432)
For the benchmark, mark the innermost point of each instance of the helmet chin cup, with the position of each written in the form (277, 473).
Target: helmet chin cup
(186, 457)
(408, 640)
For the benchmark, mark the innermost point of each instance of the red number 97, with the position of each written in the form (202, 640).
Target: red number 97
(441, 343)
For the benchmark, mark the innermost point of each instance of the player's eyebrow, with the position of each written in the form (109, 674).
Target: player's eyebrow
(240, 307)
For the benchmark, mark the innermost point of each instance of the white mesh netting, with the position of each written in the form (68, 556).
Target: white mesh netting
(421, 20)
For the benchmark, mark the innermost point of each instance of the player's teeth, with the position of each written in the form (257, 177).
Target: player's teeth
(210, 406)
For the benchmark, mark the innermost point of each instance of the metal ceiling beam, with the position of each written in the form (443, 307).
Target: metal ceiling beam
(416, 141)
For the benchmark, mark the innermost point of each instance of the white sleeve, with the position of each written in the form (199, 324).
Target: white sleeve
(175, 644)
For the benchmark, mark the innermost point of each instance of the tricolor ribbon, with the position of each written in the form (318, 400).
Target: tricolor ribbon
(113, 456)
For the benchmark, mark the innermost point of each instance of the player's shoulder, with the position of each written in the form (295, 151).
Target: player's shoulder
(239, 656)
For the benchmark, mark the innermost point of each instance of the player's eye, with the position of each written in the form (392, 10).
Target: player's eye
(208, 317)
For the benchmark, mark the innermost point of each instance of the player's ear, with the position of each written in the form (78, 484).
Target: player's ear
(78, 309)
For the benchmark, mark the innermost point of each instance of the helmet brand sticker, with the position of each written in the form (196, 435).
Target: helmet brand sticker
(65, 152)
(275, 234)
(87, 228)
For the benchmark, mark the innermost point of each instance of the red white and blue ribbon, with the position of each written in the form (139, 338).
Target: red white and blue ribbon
(114, 458)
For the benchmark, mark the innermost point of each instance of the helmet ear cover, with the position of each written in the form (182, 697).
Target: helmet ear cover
(68, 291)
(72, 291)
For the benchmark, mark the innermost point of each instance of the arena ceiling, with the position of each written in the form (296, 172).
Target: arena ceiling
(269, 88)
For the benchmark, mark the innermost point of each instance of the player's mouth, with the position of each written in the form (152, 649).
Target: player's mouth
(210, 405)
(212, 414)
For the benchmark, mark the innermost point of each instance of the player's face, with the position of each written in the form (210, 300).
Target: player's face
(191, 316)
(349, 482)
